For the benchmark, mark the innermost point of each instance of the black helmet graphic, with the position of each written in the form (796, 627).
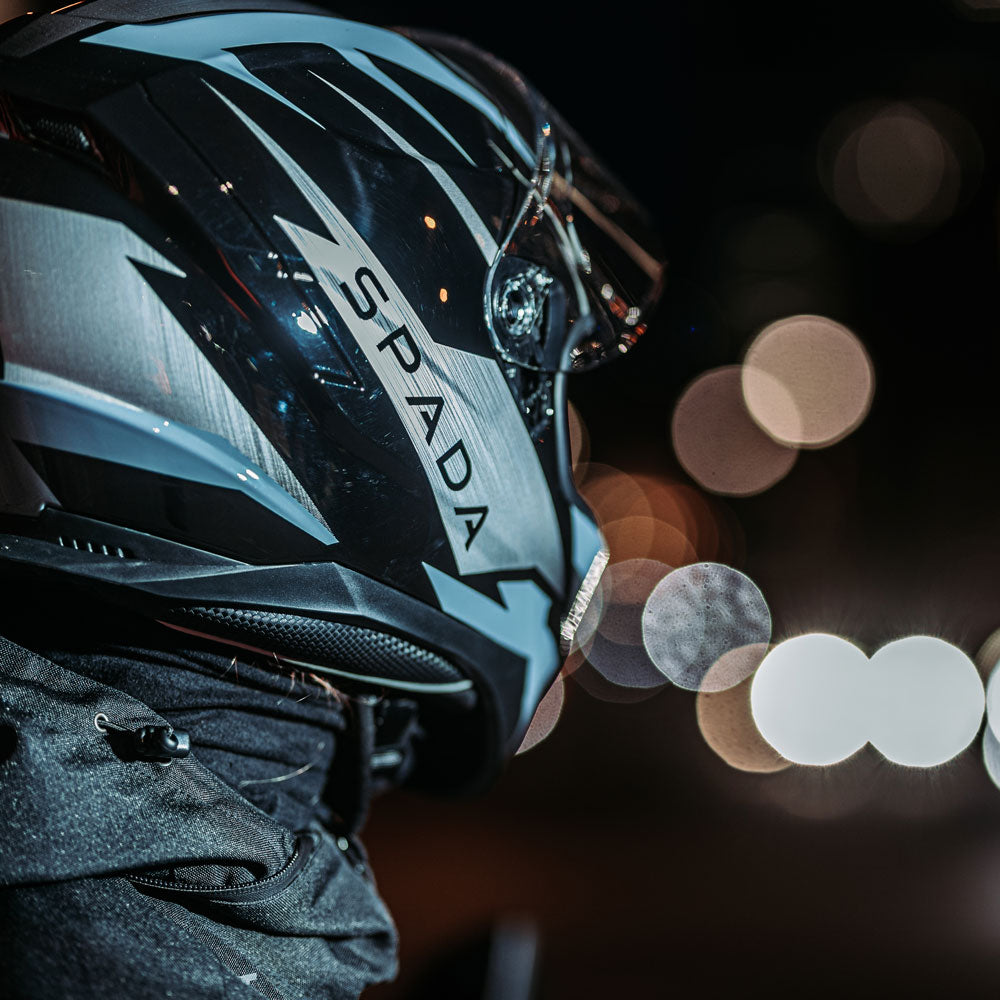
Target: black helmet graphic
(287, 308)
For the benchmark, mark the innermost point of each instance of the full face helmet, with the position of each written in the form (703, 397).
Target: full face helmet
(287, 308)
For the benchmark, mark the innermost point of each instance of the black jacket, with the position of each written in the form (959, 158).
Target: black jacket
(122, 875)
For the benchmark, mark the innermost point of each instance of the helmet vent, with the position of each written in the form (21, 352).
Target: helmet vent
(31, 122)
(61, 133)
(355, 651)
(99, 549)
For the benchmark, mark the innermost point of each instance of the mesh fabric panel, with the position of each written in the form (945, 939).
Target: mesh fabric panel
(350, 648)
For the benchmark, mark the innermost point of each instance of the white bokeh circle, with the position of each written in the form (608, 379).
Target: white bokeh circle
(808, 699)
(927, 701)
(991, 754)
(993, 700)
(817, 699)
(696, 615)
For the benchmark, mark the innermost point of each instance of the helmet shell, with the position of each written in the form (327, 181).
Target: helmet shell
(248, 386)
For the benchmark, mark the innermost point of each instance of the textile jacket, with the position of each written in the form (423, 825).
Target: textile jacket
(126, 877)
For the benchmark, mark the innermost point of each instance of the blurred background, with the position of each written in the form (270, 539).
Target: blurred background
(812, 422)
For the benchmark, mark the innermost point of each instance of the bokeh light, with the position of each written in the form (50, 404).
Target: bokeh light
(15, 8)
(579, 438)
(903, 164)
(610, 493)
(991, 754)
(599, 687)
(644, 516)
(613, 646)
(728, 728)
(927, 701)
(686, 509)
(734, 666)
(625, 587)
(624, 665)
(647, 516)
(817, 699)
(718, 443)
(989, 655)
(993, 701)
(809, 701)
(898, 167)
(698, 614)
(647, 538)
(807, 381)
(608, 658)
(546, 716)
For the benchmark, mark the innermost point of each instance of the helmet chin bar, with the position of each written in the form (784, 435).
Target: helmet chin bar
(302, 387)
(468, 687)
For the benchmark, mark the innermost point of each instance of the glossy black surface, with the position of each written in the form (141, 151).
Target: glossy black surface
(167, 147)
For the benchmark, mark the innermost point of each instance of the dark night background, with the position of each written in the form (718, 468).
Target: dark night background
(650, 867)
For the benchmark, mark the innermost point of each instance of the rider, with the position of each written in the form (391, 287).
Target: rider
(287, 310)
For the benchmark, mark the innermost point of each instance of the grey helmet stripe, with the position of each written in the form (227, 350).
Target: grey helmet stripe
(207, 39)
(475, 225)
(361, 62)
(477, 422)
(92, 424)
(131, 331)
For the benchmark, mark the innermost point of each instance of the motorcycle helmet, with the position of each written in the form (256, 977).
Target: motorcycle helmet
(287, 308)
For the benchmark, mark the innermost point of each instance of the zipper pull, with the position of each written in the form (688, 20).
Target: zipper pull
(162, 744)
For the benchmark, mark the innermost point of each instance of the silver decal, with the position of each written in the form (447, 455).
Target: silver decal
(361, 62)
(456, 407)
(134, 349)
(590, 558)
(208, 38)
(477, 229)
(92, 424)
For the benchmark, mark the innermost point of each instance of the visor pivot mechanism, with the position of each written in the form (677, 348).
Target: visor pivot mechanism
(519, 302)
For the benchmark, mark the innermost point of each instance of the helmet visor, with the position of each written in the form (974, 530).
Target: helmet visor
(580, 266)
